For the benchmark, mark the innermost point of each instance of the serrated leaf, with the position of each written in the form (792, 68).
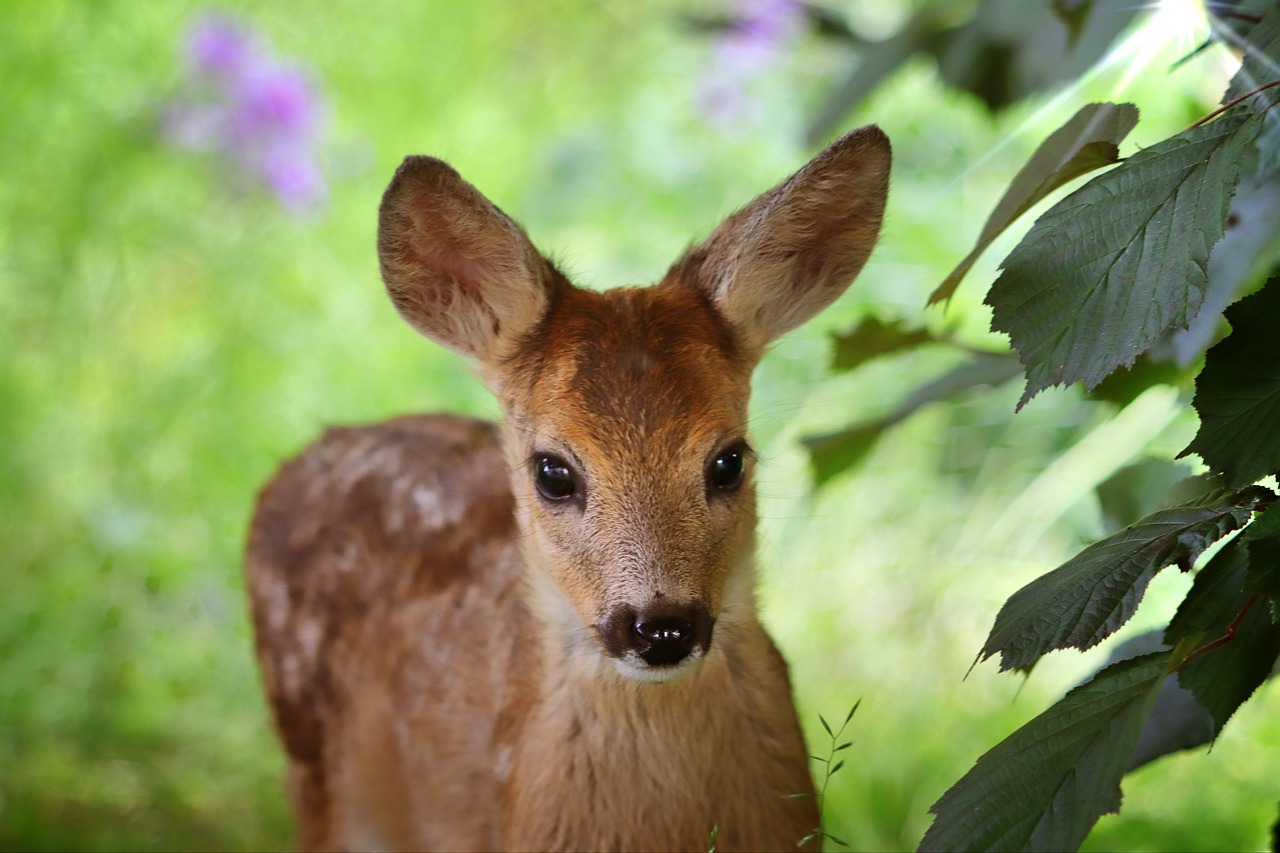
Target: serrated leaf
(872, 338)
(837, 451)
(1238, 393)
(1088, 141)
(1045, 786)
(1215, 598)
(1121, 261)
(1177, 722)
(1222, 615)
(1228, 675)
(1087, 598)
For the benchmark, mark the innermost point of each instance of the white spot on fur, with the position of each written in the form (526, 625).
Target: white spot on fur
(310, 632)
(434, 513)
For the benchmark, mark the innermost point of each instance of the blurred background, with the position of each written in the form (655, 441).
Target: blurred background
(189, 293)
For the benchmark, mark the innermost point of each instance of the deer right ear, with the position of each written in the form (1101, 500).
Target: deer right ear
(458, 269)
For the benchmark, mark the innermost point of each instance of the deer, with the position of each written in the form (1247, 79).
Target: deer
(542, 633)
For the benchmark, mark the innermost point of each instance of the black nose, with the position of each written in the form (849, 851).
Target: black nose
(662, 642)
(661, 634)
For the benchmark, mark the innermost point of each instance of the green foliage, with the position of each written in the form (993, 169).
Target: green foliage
(1104, 276)
(873, 338)
(834, 452)
(1088, 598)
(1001, 51)
(1089, 141)
(1122, 286)
(1045, 785)
(1238, 393)
(1122, 261)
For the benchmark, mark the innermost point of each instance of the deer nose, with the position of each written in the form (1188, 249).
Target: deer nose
(661, 634)
(662, 642)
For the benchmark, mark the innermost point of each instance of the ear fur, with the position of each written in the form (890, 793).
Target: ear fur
(790, 253)
(458, 269)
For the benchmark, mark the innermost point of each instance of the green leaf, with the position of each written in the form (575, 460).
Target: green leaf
(1141, 487)
(1225, 677)
(1238, 393)
(1087, 598)
(1221, 614)
(873, 338)
(1215, 599)
(834, 452)
(1045, 786)
(1263, 541)
(1089, 141)
(1122, 260)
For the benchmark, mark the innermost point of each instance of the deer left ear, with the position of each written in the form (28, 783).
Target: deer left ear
(790, 253)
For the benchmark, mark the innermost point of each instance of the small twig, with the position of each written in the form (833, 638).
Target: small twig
(1227, 637)
(1222, 109)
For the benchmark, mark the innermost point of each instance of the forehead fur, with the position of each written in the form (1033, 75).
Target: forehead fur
(631, 362)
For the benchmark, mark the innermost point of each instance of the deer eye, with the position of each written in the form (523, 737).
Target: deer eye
(726, 470)
(553, 478)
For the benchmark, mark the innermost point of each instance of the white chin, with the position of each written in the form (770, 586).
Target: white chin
(635, 669)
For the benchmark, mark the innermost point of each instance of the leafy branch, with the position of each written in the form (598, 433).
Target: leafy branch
(1112, 280)
(1106, 274)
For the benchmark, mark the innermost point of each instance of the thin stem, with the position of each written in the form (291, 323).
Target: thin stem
(1222, 109)
(1227, 637)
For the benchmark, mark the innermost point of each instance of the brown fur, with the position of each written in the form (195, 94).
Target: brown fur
(432, 631)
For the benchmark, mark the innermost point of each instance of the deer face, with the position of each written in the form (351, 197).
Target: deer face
(626, 436)
(626, 410)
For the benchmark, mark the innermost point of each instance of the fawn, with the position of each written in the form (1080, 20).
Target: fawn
(543, 635)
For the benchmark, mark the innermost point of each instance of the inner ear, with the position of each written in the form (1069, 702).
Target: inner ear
(457, 268)
(793, 250)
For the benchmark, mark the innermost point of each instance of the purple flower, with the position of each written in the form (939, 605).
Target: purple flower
(759, 37)
(265, 116)
(218, 47)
